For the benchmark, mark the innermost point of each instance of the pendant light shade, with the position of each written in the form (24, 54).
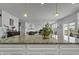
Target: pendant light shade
(56, 14)
(25, 15)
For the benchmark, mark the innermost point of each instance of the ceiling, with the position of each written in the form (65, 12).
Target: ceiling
(38, 13)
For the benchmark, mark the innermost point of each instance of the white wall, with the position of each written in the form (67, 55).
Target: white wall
(6, 19)
(26, 27)
(22, 28)
(78, 20)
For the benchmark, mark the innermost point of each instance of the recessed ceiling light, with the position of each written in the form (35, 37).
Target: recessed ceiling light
(25, 15)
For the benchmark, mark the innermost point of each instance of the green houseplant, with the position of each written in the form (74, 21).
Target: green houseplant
(46, 31)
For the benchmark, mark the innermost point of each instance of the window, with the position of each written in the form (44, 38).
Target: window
(11, 22)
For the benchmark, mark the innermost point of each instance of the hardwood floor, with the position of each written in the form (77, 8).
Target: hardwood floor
(32, 39)
(28, 39)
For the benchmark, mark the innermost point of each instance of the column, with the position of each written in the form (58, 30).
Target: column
(60, 32)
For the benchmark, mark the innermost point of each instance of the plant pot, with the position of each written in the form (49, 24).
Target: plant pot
(45, 37)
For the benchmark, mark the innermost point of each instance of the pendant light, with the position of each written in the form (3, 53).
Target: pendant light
(25, 15)
(57, 14)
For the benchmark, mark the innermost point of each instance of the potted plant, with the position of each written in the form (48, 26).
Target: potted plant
(46, 31)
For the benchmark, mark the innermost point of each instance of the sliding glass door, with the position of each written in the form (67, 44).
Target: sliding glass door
(69, 32)
(72, 32)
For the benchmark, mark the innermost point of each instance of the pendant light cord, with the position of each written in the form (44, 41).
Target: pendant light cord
(56, 8)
